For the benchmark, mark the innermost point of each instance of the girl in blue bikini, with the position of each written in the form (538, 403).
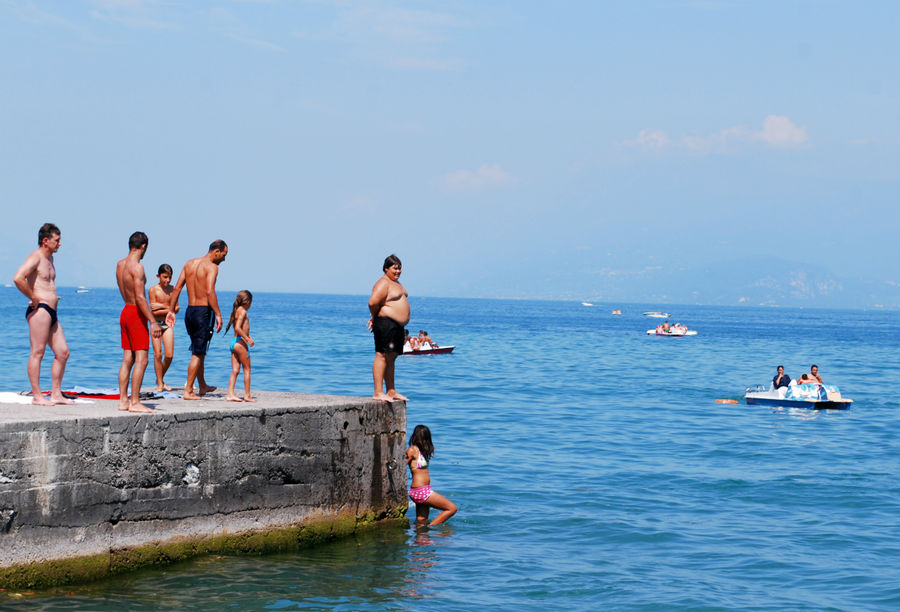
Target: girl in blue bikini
(240, 345)
(417, 457)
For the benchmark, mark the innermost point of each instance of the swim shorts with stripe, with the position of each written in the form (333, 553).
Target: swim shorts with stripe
(135, 336)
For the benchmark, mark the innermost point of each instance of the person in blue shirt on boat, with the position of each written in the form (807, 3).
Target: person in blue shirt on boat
(781, 379)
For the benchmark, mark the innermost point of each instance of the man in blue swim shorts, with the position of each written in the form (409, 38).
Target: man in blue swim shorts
(389, 308)
(202, 317)
(199, 322)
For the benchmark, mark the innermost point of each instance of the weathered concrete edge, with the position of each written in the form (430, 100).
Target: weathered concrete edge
(319, 467)
(80, 570)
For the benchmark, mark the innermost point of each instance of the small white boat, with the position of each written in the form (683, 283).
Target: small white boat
(807, 395)
(586, 304)
(657, 314)
(674, 332)
(82, 289)
(441, 350)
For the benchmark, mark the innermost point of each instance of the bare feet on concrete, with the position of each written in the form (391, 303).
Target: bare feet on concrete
(140, 408)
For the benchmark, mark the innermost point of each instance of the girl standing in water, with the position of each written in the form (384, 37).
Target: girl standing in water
(417, 457)
(240, 345)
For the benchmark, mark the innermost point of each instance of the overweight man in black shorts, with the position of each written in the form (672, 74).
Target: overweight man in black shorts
(389, 308)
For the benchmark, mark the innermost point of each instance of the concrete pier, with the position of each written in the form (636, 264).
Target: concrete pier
(87, 490)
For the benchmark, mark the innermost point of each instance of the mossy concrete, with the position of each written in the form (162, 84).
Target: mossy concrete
(47, 574)
(88, 491)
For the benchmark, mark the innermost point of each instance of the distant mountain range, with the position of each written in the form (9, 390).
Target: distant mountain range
(756, 282)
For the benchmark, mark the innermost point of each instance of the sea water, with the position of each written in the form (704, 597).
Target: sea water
(590, 462)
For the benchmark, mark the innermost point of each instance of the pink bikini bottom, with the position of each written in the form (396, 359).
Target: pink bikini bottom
(420, 494)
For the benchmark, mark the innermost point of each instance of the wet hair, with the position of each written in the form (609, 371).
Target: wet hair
(164, 269)
(391, 260)
(217, 245)
(813, 366)
(243, 298)
(137, 240)
(47, 231)
(779, 367)
(421, 439)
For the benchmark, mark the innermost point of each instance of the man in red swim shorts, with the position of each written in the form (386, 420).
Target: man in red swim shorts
(133, 321)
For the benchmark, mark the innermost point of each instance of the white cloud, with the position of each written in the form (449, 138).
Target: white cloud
(777, 132)
(720, 143)
(488, 175)
(781, 132)
(653, 140)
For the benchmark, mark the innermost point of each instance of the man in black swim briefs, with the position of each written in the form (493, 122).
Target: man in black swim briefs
(36, 279)
(53, 317)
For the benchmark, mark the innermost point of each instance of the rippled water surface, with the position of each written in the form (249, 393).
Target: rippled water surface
(591, 463)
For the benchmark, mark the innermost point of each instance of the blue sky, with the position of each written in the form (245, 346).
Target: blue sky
(491, 145)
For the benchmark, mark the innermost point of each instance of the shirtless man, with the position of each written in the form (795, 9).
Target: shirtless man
(427, 340)
(36, 278)
(133, 320)
(199, 274)
(813, 375)
(389, 308)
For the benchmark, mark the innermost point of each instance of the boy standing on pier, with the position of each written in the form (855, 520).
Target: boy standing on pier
(36, 278)
(133, 321)
(164, 346)
(389, 308)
